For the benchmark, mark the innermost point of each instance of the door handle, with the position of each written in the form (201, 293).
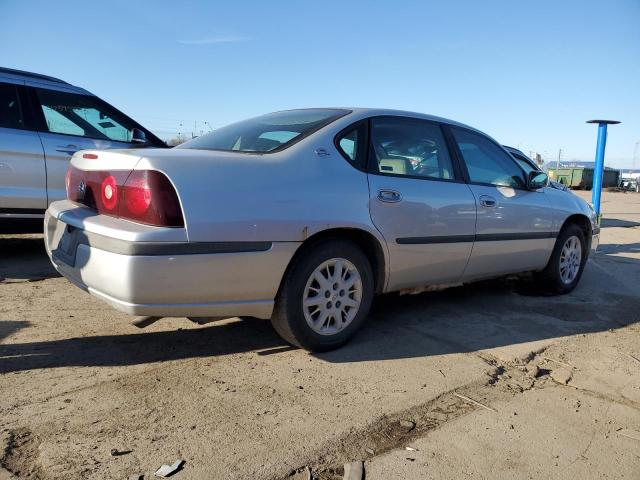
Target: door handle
(70, 149)
(389, 196)
(487, 201)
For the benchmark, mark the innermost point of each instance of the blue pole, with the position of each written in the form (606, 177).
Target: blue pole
(598, 171)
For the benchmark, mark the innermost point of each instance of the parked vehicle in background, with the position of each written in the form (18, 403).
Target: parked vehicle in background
(302, 216)
(630, 184)
(43, 121)
(528, 165)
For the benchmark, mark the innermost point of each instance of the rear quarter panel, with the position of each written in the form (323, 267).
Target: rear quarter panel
(280, 197)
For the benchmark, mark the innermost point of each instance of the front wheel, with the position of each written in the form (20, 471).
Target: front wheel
(565, 267)
(325, 296)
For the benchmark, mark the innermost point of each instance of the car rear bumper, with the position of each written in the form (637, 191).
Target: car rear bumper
(166, 278)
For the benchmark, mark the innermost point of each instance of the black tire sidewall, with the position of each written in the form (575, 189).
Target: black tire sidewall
(295, 285)
(552, 272)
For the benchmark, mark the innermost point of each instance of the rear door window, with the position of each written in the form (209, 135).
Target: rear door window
(411, 147)
(11, 115)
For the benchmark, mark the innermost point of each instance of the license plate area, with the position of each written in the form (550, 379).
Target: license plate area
(65, 243)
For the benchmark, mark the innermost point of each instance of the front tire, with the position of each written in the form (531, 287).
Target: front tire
(565, 267)
(325, 297)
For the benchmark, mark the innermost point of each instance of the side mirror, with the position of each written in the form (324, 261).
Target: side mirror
(138, 136)
(537, 180)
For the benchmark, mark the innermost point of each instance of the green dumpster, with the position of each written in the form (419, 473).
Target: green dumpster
(582, 177)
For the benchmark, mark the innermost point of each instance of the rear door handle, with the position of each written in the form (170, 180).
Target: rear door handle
(487, 201)
(70, 149)
(389, 196)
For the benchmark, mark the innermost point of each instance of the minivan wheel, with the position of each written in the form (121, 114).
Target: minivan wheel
(565, 267)
(325, 296)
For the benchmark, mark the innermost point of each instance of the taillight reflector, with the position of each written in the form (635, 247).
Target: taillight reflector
(109, 193)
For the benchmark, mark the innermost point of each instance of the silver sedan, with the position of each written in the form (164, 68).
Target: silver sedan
(302, 216)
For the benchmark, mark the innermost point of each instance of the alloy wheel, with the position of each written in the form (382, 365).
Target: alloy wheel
(570, 259)
(332, 296)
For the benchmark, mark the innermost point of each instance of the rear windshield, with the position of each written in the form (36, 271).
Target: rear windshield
(267, 133)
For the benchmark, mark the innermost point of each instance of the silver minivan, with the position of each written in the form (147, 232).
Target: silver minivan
(43, 122)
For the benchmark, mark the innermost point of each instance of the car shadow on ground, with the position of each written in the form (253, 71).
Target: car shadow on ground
(23, 257)
(618, 222)
(465, 319)
(8, 327)
(473, 317)
(612, 248)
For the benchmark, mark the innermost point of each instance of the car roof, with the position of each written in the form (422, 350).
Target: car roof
(31, 75)
(510, 148)
(37, 79)
(373, 112)
(513, 149)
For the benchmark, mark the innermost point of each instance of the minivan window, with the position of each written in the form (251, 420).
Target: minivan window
(267, 133)
(486, 162)
(10, 109)
(82, 115)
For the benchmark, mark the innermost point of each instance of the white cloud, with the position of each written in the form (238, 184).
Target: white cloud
(213, 40)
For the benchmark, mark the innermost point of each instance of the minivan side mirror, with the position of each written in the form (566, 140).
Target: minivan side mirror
(138, 136)
(537, 180)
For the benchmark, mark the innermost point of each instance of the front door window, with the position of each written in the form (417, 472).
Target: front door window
(82, 115)
(487, 163)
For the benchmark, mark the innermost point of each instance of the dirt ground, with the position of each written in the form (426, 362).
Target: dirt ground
(489, 380)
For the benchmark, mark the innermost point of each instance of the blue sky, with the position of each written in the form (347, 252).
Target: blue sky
(528, 73)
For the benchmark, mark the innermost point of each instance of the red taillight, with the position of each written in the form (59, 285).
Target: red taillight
(145, 196)
(137, 193)
(149, 197)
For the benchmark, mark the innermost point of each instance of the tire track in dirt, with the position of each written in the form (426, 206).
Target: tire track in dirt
(399, 429)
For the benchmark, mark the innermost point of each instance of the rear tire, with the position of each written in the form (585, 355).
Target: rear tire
(325, 296)
(565, 267)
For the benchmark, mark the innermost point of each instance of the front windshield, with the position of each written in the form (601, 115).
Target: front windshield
(267, 133)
